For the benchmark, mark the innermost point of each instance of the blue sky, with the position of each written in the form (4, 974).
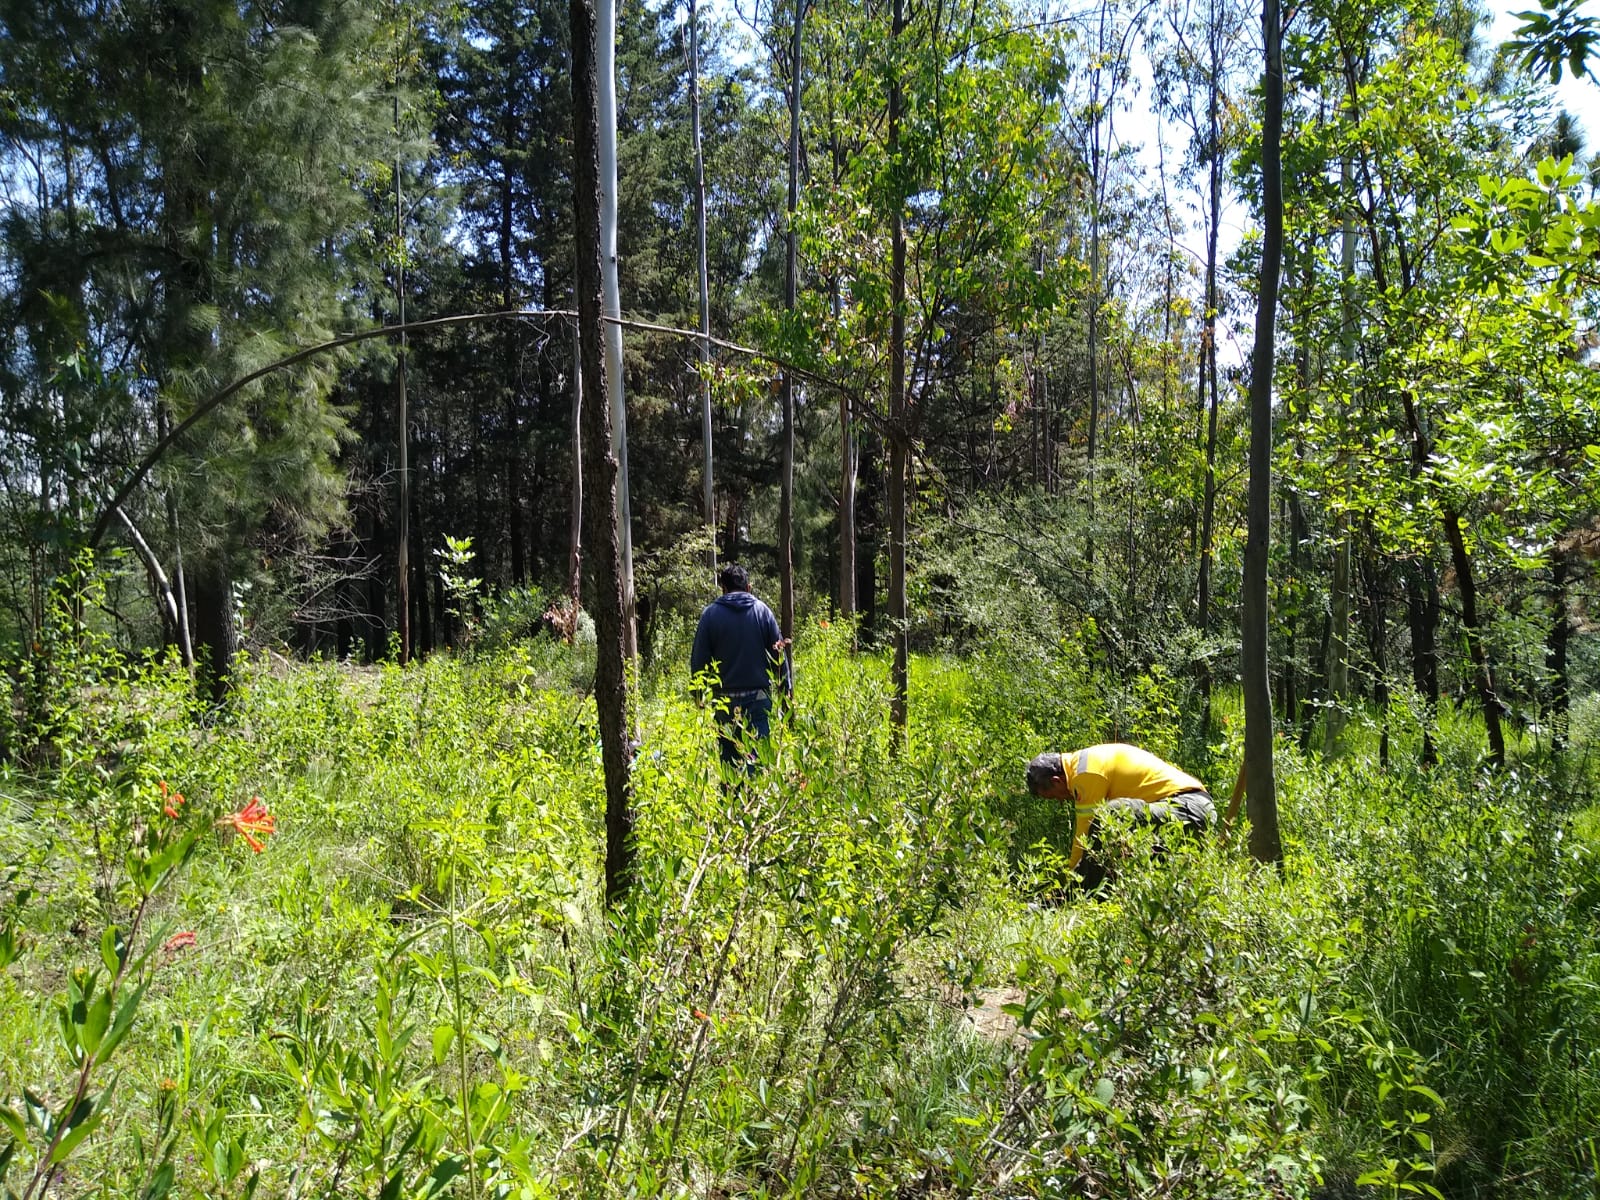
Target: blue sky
(1580, 97)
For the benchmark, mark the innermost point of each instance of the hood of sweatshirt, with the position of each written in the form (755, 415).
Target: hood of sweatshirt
(736, 600)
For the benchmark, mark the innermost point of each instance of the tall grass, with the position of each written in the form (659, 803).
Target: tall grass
(414, 991)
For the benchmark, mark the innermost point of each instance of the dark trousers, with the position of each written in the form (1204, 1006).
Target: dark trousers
(1193, 811)
(743, 719)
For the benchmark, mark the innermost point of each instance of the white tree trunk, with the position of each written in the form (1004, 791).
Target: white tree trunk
(790, 277)
(611, 298)
(705, 286)
(1339, 599)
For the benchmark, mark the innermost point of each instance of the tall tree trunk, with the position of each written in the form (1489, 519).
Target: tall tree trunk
(541, 531)
(1094, 338)
(605, 68)
(898, 434)
(849, 445)
(575, 541)
(402, 568)
(1260, 778)
(1423, 593)
(1483, 674)
(180, 585)
(708, 499)
(790, 284)
(1207, 367)
(420, 612)
(849, 456)
(1338, 653)
(1096, 166)
(1297, 692)
(213, 624)
(1376, 572)
(1559, 704)
(870, 523)
(511, 384)
(601, 466)
(166, 601)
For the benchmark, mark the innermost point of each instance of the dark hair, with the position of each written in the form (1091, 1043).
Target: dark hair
(1043, 769)
(733, 578)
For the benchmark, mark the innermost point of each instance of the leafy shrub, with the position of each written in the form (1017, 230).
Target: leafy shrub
(414, 991)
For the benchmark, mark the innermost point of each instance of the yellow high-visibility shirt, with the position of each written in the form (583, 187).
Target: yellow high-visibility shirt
(1116, 771)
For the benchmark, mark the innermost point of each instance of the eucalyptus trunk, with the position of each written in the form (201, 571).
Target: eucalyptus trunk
(402, 428)
(575, 533)
(1260, 778)
(1339, 587)
(1207, 366)
(790, 283)
(610, 385)
(708, 490)
(601, 467)
(898, 434)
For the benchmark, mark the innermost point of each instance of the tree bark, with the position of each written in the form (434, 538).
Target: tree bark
(1422, 616)
(1483, 674)
(606, 110)
(575, 540)
(180, 585)
(898, 434)
(402, 568)
(708, 497)
(167, 603)
(1339, 588)
(1207, 367)
(790, 283)
(1376, 572)
(1555, 657)
(601, 466)
(213, 624)
(1261, 781)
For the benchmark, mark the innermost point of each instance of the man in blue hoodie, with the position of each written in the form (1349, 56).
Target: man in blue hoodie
(739, 648)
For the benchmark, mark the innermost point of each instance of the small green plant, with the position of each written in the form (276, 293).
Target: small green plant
(460, 588)
(102, 1000)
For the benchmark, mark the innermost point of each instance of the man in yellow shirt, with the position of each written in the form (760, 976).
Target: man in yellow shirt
(1117, 777)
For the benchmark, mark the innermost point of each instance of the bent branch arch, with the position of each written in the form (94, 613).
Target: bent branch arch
(216, 399)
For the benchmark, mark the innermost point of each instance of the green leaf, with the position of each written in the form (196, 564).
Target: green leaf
(124, 1021)
(160, 1182)
(443, 1175)
(95, 1020)
(79, 1125)
(108, 950)
(443, 1035)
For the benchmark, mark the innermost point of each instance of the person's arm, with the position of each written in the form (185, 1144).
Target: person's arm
(1089, 792)
(777, 660)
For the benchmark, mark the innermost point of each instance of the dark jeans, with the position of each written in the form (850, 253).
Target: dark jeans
(743, 718)
(1194, 811)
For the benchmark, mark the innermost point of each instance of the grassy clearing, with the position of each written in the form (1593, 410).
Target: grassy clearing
(412, 990)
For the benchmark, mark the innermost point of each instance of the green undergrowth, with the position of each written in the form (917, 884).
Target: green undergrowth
(857, 972)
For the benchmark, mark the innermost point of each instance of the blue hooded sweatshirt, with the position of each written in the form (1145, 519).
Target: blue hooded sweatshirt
(737, 633)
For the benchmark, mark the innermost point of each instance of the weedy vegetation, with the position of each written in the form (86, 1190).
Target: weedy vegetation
(344, 937)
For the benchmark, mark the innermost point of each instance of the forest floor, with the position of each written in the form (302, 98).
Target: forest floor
(856, 975)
